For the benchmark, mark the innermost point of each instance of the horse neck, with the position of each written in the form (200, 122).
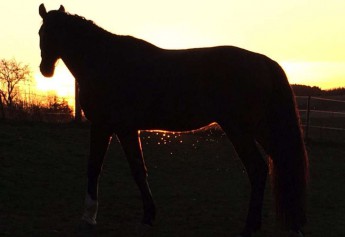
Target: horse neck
(102, 46)
(79, 49)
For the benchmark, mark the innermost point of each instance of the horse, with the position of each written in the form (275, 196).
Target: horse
(127, 85)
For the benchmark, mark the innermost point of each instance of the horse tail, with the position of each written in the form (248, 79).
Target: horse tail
(288, 162)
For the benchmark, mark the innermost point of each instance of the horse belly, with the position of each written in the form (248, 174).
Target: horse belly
(177, 116)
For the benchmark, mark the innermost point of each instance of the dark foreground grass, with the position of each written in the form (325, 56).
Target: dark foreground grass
(198, 184)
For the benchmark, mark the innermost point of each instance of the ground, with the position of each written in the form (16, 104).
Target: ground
(198, 184)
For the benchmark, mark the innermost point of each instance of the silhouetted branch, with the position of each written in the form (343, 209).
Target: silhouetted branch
(12, 74)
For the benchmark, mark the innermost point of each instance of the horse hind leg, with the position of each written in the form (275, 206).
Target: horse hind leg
(257, 169)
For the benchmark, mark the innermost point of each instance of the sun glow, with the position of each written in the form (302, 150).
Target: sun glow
(61, 84)
(325, 74)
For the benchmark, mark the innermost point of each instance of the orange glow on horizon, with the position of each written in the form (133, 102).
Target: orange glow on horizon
(326, 75)
(61, 84)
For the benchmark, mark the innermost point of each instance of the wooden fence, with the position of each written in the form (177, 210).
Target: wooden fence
(322, 118)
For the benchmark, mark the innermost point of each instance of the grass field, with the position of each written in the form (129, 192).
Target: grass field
(198, 184)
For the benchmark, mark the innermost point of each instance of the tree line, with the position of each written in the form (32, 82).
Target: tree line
(13, 76)
(303, 90)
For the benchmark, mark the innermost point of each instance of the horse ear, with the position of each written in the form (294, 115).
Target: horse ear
(42, 10)
(62, 8)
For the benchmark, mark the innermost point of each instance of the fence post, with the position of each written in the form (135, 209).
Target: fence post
(308, 118)
(2, 110)
(77, 108)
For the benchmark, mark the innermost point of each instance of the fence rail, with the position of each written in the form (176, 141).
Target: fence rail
(322, 118)
(324, 112)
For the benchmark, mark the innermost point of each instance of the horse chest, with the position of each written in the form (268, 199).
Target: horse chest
(113, 106)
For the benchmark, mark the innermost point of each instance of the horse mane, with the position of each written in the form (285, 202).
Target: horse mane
(94, 32)
(83, 23)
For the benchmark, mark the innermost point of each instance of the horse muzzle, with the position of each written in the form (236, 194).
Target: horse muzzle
(47, 70)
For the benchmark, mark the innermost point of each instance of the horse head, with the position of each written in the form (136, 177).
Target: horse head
(49, 39)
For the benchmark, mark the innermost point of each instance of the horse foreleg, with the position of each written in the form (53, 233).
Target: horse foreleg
(99, 141)
(257, 170)
(131, 145)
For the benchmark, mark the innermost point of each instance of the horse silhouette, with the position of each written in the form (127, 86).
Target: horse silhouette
(127, 85)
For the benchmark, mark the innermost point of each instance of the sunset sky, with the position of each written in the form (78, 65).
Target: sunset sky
(307, 37)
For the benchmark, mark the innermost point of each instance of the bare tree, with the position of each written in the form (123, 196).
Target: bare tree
(12, 74)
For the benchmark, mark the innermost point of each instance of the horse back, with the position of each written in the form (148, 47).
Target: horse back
(193, 86)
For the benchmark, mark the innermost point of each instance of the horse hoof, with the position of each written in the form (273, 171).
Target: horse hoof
(85, 229)
(142, 229)
(148, 220)
(293, 233)
(244, 234)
